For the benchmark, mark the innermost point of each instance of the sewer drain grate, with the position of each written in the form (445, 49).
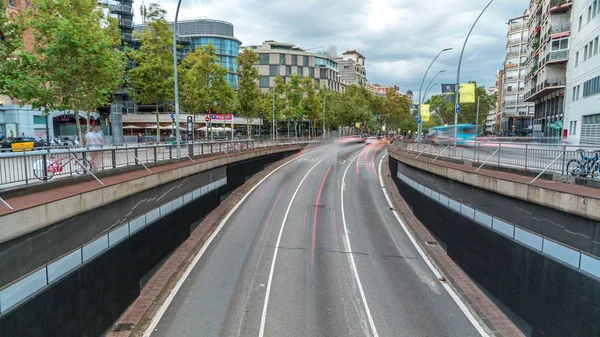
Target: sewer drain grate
(320, 206)
(433, 243)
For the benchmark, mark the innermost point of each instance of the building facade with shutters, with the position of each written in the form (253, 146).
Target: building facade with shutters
(284, 60)
(582, 110)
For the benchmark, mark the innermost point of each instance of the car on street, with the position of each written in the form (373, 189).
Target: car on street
(18, 144)
(371, 140)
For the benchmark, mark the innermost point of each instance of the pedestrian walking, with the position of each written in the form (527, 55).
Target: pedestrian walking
(94, 141)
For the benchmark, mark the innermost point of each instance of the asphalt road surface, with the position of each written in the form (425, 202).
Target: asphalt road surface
(314, 251)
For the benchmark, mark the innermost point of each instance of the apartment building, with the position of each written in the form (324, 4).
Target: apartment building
(516, 114)
(284, 59)
(25, 120)
(352, 68)
(490, 121)
(499, 127)
(582, 110)
(382, 89)
(548, 55)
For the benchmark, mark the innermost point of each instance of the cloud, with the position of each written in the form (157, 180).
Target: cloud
(399, 38)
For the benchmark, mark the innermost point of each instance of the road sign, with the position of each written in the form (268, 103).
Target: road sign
(419, 120)
(172, 116)
(457, 108)
(207, 119)
(377, 116)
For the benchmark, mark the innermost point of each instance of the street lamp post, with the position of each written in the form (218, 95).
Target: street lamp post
(175, 79)
(420, 125)
(429, 86)
(456, 103)
(274, 86)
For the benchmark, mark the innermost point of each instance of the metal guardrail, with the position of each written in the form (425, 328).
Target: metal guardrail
(534, 158)
(22, 168)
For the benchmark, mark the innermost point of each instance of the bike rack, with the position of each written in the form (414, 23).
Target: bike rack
(138, 159)
(498, 149)
(7, 205)
(92, 173)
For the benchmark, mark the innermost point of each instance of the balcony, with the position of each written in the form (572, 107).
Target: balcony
(560, 6)
(557, 57)
(545, 88)
(515, 26)
(126, 23)
(513, 53)
(560, 28)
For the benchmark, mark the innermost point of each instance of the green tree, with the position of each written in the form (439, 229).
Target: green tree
(74, 64)
(151, 81)
(294, 94)
(249, 95)
(312, 104)
(10, 43)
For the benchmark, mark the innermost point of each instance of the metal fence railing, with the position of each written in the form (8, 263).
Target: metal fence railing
(17, 168)
(535, 158)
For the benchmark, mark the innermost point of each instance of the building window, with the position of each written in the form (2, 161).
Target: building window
(573, 97)
(305, 61)
(39, 120)
(263, 59)
(580, 21)
(589, 13)
(591, 49)
(575, 128)
(596, 46)
(288, 70)
(311, 72)
(294, 60)
(595, 7)
(263, 82)
(273, 70)
(576, 59)
(281, 58)
(323, 73)
(585, 53)
(300, 71)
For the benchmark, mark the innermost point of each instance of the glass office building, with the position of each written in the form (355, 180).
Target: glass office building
(202, 32)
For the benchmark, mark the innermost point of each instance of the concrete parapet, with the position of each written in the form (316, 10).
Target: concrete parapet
(578, 200)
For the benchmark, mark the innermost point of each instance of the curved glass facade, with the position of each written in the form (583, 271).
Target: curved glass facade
(226, 48)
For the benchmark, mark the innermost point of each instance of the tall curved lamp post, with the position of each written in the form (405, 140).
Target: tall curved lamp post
(456, 103)
(420, 125)
(429, 86)
(176, 80)
(274, 131)
(427, 91)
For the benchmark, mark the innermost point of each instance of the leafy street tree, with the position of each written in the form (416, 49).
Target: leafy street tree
(294, 94)
(151, 81)
(74, 64)
(396, 111)
(311, 103)
(10, 43)
(249, 95)
(204, 85)
(281, 100)
(468, 113)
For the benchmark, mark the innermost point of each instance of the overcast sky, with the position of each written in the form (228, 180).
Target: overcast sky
(399, 38)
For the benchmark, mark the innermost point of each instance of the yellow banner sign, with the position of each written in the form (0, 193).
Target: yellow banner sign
(425, 114)
(467, 93)
(357, 125)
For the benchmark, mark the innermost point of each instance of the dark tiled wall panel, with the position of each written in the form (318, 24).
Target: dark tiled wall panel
(556, 300)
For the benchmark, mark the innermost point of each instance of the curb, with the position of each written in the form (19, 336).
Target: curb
(135, 320)
(494, 321)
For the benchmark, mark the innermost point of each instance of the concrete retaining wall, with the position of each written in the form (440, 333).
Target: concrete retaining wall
(555, 299)
(88, 300)
(21, 222)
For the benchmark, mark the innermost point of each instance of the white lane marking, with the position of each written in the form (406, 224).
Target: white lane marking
(163, 308)
(457, 300)
(263, 319)
(351, 257)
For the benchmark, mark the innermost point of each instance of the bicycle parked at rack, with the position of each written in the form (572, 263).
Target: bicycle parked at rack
(63, 164)
(586, 166)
